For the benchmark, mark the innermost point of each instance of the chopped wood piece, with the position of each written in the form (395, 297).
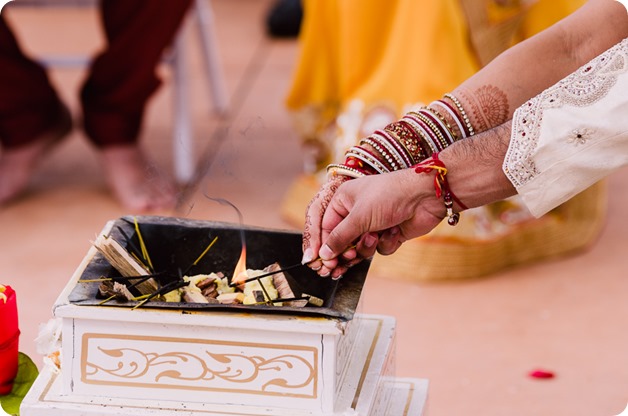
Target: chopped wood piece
(231, 298)
(193, 296)
(210, 291)
(301, 303)
(119, 257)
(125, 263)
(283, 287)
(117, 290)
(281, 283)
(122, 289)
(105, 289)
(314, 300)
(147, 287)
(206, 282)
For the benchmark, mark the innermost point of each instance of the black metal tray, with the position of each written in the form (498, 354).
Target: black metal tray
(175, 243)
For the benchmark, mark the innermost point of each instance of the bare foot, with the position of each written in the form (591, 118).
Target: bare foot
(137, 183)
(18, 165)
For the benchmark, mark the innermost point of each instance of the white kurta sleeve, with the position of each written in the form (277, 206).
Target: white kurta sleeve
(571, 135)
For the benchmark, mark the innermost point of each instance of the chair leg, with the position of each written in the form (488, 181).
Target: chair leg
(211, 57)
(182, 144)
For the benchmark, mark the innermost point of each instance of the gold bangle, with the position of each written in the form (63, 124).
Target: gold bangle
(335, 168)
(462, 112)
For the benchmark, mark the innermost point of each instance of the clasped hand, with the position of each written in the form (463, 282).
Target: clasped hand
(348, 220)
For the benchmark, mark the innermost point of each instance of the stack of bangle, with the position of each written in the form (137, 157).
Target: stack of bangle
(407, 141)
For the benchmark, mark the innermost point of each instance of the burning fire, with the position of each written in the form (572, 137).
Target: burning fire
(239, 273)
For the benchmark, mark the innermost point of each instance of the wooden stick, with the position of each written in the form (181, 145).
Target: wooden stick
(106, 300)
(100, 279)
(250, 279)
(284, 300)
(139, 282)
(119, 278)
(201, 256)
(205, 251)
(294, 266)
(142, 245)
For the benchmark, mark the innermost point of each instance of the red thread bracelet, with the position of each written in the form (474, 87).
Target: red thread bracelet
(441, 186)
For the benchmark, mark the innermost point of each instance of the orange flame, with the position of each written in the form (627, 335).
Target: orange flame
(239, 273)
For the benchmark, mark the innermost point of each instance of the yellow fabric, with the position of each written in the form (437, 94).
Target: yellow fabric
(544, 14)
(402, 51)
(395, 51)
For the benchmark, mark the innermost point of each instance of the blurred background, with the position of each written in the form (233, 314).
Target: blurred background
(476, 339)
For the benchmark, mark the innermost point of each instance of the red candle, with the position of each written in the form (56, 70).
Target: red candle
(9, 336)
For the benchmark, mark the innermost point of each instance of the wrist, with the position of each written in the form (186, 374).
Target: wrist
(436, 167)
(421, 194)
(475, 167)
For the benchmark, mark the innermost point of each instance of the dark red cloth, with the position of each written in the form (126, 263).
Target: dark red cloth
(9, 339)
(28, 103)
(119, 84)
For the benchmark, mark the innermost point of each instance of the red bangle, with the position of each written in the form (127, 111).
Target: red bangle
(441, 186)
(357, 164)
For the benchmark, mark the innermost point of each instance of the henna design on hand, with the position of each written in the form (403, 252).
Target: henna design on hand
(329, 190)
(307, 236)
(326, 193)
(488, 105)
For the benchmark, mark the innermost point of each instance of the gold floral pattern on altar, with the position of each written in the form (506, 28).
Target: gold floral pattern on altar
(200, 364)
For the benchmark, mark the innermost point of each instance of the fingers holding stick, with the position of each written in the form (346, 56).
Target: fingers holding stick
(312, 234)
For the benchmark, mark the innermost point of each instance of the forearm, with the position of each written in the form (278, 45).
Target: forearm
(491, 96)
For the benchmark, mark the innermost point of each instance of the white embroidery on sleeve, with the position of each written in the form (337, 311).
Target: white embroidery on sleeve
(582, 88)
(580, 136)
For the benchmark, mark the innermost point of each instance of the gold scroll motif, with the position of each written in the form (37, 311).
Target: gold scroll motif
(192, 364)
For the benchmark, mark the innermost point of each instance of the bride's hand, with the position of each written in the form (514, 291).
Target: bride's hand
(377, 212)
(313, 235)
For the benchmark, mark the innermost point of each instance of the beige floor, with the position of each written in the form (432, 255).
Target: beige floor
(474, 340)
